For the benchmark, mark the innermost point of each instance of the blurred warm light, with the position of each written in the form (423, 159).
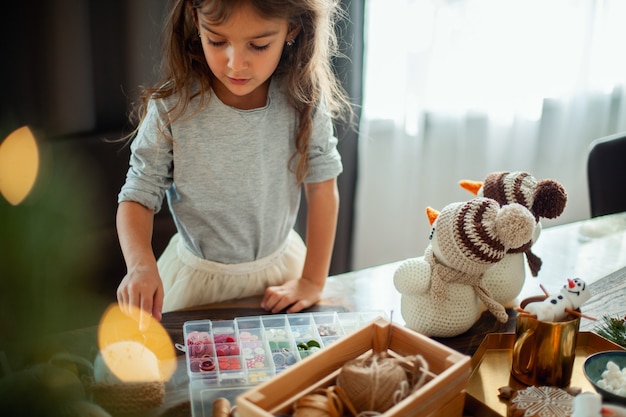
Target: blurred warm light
(126, 361)
(19, 163)
(130, 353)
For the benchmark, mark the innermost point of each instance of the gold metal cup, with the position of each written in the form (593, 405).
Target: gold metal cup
(544, 352)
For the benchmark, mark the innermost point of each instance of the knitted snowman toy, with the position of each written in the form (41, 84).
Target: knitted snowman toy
(545, 198)
(441, 292)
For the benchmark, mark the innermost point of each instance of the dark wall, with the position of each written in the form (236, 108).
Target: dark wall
(71, 69)
(72, 66)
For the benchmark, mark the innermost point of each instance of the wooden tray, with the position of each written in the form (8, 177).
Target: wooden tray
(491, 369)
(441, 396)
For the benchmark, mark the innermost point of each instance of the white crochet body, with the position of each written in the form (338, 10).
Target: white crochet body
(421, 313)
(454, 304)
(505, 279)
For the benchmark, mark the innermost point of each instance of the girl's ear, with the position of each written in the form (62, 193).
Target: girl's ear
(293, 32)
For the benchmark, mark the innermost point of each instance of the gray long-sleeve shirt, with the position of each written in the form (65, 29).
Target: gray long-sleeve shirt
(226, 174)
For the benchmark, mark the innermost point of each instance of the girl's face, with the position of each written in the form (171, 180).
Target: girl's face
(243, 53)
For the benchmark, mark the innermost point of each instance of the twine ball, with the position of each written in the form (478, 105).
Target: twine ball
(375, 384)
(321, 403)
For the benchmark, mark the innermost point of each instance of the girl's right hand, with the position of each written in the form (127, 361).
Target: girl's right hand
(140, 294)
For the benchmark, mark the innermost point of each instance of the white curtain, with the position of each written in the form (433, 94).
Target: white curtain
(456, 89)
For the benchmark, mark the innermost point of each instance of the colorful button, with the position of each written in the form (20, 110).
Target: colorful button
(207, 365)
(313, 343)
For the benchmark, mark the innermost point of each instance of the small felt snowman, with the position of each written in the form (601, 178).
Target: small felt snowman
(556, 307)
(442, 291)
(545, 199)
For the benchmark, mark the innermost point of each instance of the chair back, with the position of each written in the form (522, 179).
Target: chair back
(606, 175)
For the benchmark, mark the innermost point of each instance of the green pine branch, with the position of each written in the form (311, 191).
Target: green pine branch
(612, 328)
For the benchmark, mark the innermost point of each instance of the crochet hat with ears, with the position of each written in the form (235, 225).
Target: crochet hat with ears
(545, 198)
(472, 236)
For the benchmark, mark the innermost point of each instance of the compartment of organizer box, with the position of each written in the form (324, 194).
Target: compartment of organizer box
(442, 395)
(249, 350)
(267, 345)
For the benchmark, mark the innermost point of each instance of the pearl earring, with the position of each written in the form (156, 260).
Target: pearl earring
(290, 42)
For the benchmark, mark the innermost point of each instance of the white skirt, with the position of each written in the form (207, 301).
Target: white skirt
(190, 281)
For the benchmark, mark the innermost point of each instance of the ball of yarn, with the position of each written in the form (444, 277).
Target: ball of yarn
(321, 403)
(373, 384)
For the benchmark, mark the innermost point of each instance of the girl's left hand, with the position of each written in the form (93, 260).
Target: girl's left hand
(294, 296)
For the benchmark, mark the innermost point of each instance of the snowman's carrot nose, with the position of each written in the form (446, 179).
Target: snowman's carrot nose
(432, 215)
(571, 283)
(471, 186)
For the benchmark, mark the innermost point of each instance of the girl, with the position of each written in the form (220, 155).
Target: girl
(240, 121)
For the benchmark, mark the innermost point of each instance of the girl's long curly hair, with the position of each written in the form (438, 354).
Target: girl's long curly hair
(306, 66)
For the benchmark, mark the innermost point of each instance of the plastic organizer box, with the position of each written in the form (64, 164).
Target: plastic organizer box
(248, 350)
(226, 358)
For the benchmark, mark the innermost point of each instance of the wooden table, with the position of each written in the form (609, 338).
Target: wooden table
(591, 249)
(594, 250)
